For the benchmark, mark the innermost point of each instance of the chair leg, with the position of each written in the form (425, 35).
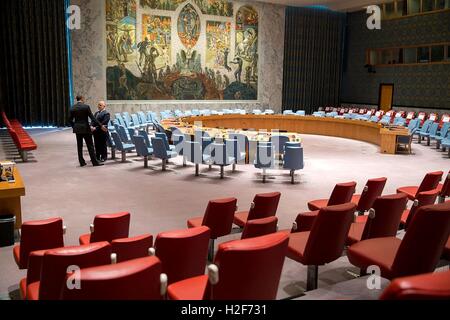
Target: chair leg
(234, 167)
(221, 172)
(113, 153)
(184, 162)
(428, 141)
(264, 175)
(164, 165)
(124, 156)
(292, 176)
(312, 278)
(211, 250)
(145, 162)
(196, 169)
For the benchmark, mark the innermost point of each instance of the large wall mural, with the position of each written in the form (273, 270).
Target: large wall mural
(181, 50)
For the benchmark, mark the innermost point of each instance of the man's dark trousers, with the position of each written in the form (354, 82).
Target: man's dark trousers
(101, 148)
(90, 145)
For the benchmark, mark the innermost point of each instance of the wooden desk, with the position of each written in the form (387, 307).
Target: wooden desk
(389, 139)
(343, 128)
(10, 194)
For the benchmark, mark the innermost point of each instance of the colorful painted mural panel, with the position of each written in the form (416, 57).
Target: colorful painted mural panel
(181, 53)
(216, 7)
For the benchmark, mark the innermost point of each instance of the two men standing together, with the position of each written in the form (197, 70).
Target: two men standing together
(79, 117)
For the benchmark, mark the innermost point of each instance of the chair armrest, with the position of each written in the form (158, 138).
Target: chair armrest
(213, 274)
(91, 228)
(34, 266)
(164, 281)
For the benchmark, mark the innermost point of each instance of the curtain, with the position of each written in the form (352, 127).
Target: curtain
(34, 61)
(313, 56)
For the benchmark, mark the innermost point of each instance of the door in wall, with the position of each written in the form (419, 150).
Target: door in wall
(386, 97)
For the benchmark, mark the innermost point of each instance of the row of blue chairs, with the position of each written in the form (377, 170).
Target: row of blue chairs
(431, 132)
(205, 150)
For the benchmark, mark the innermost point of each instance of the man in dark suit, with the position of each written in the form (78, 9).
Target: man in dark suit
(79, 117)
(101, 136)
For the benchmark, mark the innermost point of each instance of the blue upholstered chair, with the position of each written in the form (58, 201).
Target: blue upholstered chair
(220, 157)
(293, 160)
(163, 136)
(264, 158)
(131, 133)
(243, 146)
(141, 149)
(292, 144)
(128, 122)
(278, 142)
(269, 111)
(442, 134)
(111, 145)
(120, 121)
(399, 121)
(288, 112)
(256, 111)
(373, 119)
(179, 144)
(123, 135)
(144, 134)
(136, 122)
(233, 150)
(160, 151)
(301, 113)
(195, 112)
(424, 129)
(432, 132)
(385, 120)
(193, 153)
(122, 147)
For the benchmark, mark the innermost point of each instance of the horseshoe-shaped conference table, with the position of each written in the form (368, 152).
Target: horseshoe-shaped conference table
(360, 130)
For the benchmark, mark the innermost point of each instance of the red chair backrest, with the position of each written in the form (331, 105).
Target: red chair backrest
(219, 216)
(259, 227)
(250, 269)
(434, 286)
(137, 279)
(40, 235)
(374, 189)
(108, 227)
(422, 115)
(329, 233)
(388, 213)
(56, 262)
(183, 253)
(424, 241)
(132, 248)
(425, 198)
(445, 191)
(430, 181)
(342, 193)
(266, 205)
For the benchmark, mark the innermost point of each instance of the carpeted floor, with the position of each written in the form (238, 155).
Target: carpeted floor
(161, 201)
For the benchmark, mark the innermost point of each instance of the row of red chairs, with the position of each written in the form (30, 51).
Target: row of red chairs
(24, 143)
(331, 230)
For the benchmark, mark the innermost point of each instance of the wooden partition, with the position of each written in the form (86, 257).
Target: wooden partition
(351, 129)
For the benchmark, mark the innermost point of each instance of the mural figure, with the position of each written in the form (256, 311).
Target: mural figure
(215, 7)
(218, 40)
(158, 30)
(188, 26)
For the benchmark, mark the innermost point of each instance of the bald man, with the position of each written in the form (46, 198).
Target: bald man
(100, 131)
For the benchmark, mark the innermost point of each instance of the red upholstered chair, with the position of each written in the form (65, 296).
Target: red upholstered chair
(108, 227)
(417, 253)
(324, 243)
(132, 248)
(425, 198)
(444, 189)
(248, 269)
(434, 286)
(38, 235)
(55, 263)
(264, 205)
(138, 279)
(259, 227)
(372, 190)
(429, 182)
(383, 219)
(446, 252)
(218, 218)
(342, 193)
(183, 253)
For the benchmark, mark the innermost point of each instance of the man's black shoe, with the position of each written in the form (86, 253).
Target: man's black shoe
(82, 165)
(98, 164)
